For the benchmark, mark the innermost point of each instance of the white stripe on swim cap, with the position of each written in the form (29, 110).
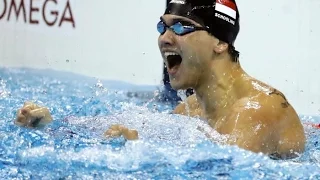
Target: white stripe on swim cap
(177, 2)
(225, 6)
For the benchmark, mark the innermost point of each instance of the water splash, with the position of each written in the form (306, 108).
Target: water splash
(170, 147)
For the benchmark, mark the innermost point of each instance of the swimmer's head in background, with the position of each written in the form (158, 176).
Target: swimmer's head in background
(221, 17)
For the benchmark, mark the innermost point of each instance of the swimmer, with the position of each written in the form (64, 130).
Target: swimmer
(196, 42)
(197, 45)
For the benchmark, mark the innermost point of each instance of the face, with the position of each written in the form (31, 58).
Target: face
(187, 56)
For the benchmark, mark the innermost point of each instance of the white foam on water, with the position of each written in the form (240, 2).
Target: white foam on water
(153, 126)
(162, 137)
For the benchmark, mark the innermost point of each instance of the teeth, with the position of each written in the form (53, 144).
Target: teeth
(170, 53)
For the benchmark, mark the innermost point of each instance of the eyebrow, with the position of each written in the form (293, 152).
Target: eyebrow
(174, 20)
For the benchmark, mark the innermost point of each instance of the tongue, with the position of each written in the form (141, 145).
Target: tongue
(173, 69)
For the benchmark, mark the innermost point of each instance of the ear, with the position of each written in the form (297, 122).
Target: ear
(221, 47)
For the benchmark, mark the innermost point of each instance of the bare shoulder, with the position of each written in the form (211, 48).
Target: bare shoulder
(266, 122)
(265, 107)
(265, 99)
(189, 107)
(268, 106)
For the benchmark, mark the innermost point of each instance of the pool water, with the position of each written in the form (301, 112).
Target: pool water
(170, 146)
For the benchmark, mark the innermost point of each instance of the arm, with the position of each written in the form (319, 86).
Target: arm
(252, 132)
(255, 126)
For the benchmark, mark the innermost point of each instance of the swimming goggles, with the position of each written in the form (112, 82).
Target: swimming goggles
(178, 28)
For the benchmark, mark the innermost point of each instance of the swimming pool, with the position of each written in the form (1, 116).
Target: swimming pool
(170, 146)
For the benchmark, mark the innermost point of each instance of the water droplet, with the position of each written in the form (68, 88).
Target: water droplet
(99, 84)
(256, 165)
(156, 92)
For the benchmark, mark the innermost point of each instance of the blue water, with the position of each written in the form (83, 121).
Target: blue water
(170, 146)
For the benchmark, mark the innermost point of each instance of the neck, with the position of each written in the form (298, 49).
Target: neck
(216, 92)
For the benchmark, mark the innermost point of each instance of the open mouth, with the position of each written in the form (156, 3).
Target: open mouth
(173, 59)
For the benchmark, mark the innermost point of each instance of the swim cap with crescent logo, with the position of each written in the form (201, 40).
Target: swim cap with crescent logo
(220, 16)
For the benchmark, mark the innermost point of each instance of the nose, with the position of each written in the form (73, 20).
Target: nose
(166, 39)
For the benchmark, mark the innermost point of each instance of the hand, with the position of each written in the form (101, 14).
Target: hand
(32, 115)
(118, 130)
